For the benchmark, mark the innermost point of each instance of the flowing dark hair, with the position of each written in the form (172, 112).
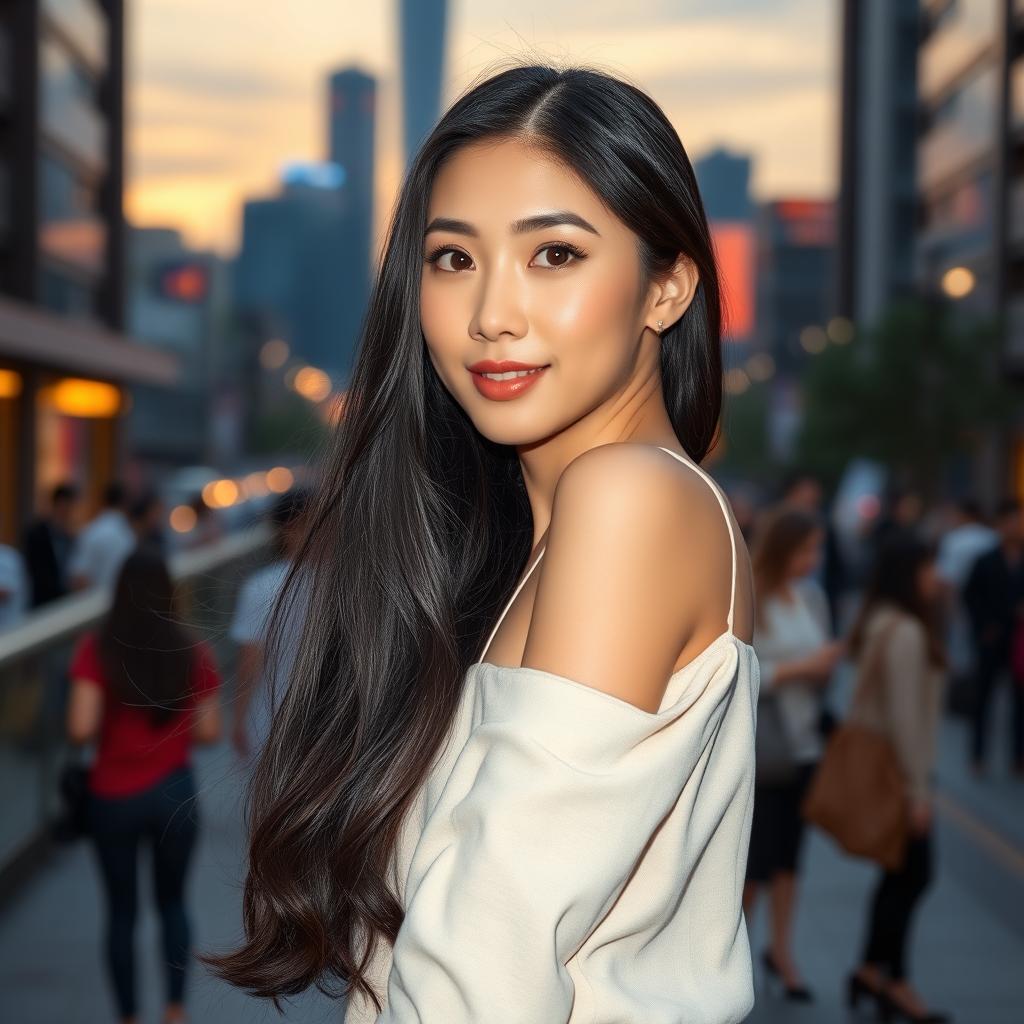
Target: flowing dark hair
(894, 581)
(146, 654)
(418, 531)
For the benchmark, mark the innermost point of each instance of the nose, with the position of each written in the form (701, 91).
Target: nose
(499, 309)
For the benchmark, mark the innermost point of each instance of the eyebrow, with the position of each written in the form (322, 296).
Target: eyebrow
(518, 227)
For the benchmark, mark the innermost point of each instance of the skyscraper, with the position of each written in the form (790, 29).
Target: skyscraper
(352, 124)
(423, 30)
(724, 180)
(877, 156)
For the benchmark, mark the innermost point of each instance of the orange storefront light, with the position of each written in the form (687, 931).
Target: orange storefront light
(10, 384)
(87, 399)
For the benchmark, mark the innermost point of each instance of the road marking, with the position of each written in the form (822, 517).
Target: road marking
(1000, 848)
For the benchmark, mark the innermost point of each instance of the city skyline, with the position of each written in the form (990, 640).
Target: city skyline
(214, 115)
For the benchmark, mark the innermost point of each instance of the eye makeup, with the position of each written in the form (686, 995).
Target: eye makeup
(574, 250)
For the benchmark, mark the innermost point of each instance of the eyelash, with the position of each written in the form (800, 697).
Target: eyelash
(577, 253)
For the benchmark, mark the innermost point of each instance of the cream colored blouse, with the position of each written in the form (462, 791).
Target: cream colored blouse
(574, 858)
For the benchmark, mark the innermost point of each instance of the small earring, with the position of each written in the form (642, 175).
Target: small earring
(660, 322)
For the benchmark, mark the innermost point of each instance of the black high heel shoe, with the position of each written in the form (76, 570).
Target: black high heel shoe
(857, 988)
(892, 1011)
(794, 993)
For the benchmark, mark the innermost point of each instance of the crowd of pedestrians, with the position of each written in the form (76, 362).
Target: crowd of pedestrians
(935, 620)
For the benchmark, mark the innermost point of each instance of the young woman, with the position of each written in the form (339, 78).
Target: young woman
(900, 613)
(147, 691)
(796, 655)
(511, 776)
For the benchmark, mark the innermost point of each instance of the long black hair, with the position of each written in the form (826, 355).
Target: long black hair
(418, 530)
(894, 582)
(146, 653)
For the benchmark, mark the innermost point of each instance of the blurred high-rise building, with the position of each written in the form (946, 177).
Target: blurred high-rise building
(64, 361)
(176, 303)
(304, 269)
(352, 99)
(352, 122)
(970, 185)
(795, 287)
(300, 276)
(724, 181)
(964, 169)
(877, 197)
(423, 31)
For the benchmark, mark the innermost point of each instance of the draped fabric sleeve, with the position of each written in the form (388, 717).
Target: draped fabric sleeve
(550, 804)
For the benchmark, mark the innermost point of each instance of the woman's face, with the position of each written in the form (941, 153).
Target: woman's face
(538, 272)
(805, 558)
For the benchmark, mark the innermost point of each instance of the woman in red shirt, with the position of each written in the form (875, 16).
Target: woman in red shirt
(145, 690)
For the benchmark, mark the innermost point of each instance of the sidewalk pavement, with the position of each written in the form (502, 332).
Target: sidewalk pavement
(968, 940)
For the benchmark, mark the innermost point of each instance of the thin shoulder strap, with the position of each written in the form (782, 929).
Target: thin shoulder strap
(728, 522)
(510, 601)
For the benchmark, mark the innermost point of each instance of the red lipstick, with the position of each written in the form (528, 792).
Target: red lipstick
(510, 387)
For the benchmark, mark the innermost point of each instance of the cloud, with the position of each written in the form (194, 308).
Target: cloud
(189, 79)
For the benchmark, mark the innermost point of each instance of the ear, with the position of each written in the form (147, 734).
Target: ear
(671, 295)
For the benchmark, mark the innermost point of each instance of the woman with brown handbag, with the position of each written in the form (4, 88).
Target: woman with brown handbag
(896, 633)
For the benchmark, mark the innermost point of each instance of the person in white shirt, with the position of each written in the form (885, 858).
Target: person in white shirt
(958, 550)
(797, 657)
(254, 703)
(103, 545)
(14, 587)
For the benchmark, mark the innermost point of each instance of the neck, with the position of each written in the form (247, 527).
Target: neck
(637, 414)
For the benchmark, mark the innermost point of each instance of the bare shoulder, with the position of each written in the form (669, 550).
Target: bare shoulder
(637, 552)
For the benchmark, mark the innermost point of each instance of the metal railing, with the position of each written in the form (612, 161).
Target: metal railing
(33, 682)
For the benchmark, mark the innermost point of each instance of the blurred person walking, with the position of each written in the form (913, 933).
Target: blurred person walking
(48, 543)
(258, 668)
(960, 545)
(146, 690)
(898, 624)
(994, 597)
(792, 639)
(103, 544)
(803, 490)
(147, 515)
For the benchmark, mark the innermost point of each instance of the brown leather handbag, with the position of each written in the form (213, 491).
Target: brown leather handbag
(858, 793)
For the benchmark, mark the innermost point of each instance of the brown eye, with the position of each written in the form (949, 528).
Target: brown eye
(561, 256)
(464, 262)
(460, 261)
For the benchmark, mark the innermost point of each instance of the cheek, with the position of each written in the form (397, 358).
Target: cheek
(592, 316)
(439, 322)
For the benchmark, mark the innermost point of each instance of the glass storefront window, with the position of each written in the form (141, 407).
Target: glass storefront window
(69, 226)
(83, 23)
(963, 129)
(68, 101)
(966, 210)
(961, 34)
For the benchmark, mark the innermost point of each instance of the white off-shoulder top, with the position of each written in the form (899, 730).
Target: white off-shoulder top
(574, 858)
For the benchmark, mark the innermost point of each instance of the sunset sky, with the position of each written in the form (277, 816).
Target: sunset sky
(221, 95)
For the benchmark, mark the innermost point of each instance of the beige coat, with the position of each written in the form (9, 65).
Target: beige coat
(909, 696)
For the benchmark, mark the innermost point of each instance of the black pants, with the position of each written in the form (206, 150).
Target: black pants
(993, 664)
(166, 816)
(893, 905)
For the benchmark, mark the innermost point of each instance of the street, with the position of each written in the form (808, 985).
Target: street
(967, 952)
